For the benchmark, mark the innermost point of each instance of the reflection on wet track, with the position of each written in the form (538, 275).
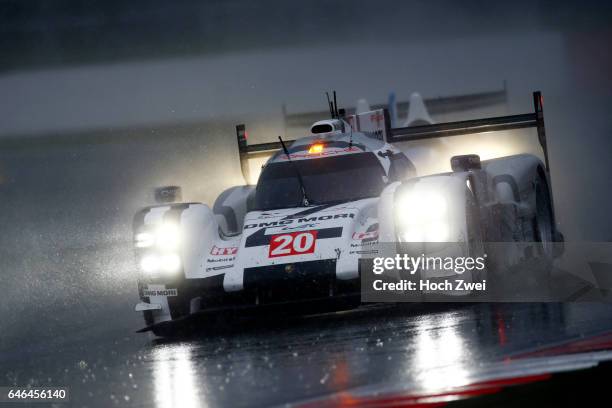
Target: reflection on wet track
(413, 348)
(175, 377)
(385, 348)
(438, 349)
(88, 342)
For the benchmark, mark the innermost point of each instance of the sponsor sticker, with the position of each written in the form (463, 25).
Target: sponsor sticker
(160, 292)
(293, 243)
(300, 220)
(265, 215)
(358, 236)
(218, 268)
(222, 251)
(290, 228)
(370, 252)
(220, 260)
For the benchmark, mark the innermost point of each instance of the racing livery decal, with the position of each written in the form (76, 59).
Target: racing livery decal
(222, 251)
(260, 238)
(287, 221)
(160, 292)
(358, 236)
(293, 243)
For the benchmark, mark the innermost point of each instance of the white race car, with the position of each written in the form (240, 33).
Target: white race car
(324, 201)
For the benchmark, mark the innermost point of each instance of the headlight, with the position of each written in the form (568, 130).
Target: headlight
(170, 263)
(165, 263)
(414, 208)
(166, 237)
(144, 240)
(149, 263)
(161, 245)
(422, 217)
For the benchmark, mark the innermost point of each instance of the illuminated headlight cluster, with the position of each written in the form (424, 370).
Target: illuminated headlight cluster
(160, 245)
(422, 217)
(166, 236)
(152, 263)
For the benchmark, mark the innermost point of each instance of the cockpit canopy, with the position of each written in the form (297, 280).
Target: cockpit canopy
(326, 180)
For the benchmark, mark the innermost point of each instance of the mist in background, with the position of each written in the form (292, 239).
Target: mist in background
(100, 102)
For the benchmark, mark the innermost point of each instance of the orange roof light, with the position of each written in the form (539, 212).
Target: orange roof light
(315, 148)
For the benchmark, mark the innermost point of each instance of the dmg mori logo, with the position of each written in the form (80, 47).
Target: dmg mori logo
(160, 292)
(284, 222)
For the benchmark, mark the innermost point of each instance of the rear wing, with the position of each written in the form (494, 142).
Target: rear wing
(466, 127)
(436, 106)
(246, 151)
(379, 120)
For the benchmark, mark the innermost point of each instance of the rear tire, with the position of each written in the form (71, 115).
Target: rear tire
(543, 222)
(475, 237)
(543, 234)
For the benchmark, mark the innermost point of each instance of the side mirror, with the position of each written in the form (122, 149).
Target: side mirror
(465, 162)
(168, 194)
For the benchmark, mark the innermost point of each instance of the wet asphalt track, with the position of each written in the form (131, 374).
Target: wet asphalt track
(272, 362)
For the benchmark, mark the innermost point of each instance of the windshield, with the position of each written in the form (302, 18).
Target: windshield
(331, 179)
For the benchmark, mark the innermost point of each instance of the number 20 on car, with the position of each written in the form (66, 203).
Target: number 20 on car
(293, 243)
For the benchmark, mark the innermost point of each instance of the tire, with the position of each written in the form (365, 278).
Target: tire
(543, 222)
(521, 263)
(543, 234)
(538, 267)
(475, 236)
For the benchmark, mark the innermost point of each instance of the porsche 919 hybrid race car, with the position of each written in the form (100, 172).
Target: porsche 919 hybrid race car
(324, 201)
